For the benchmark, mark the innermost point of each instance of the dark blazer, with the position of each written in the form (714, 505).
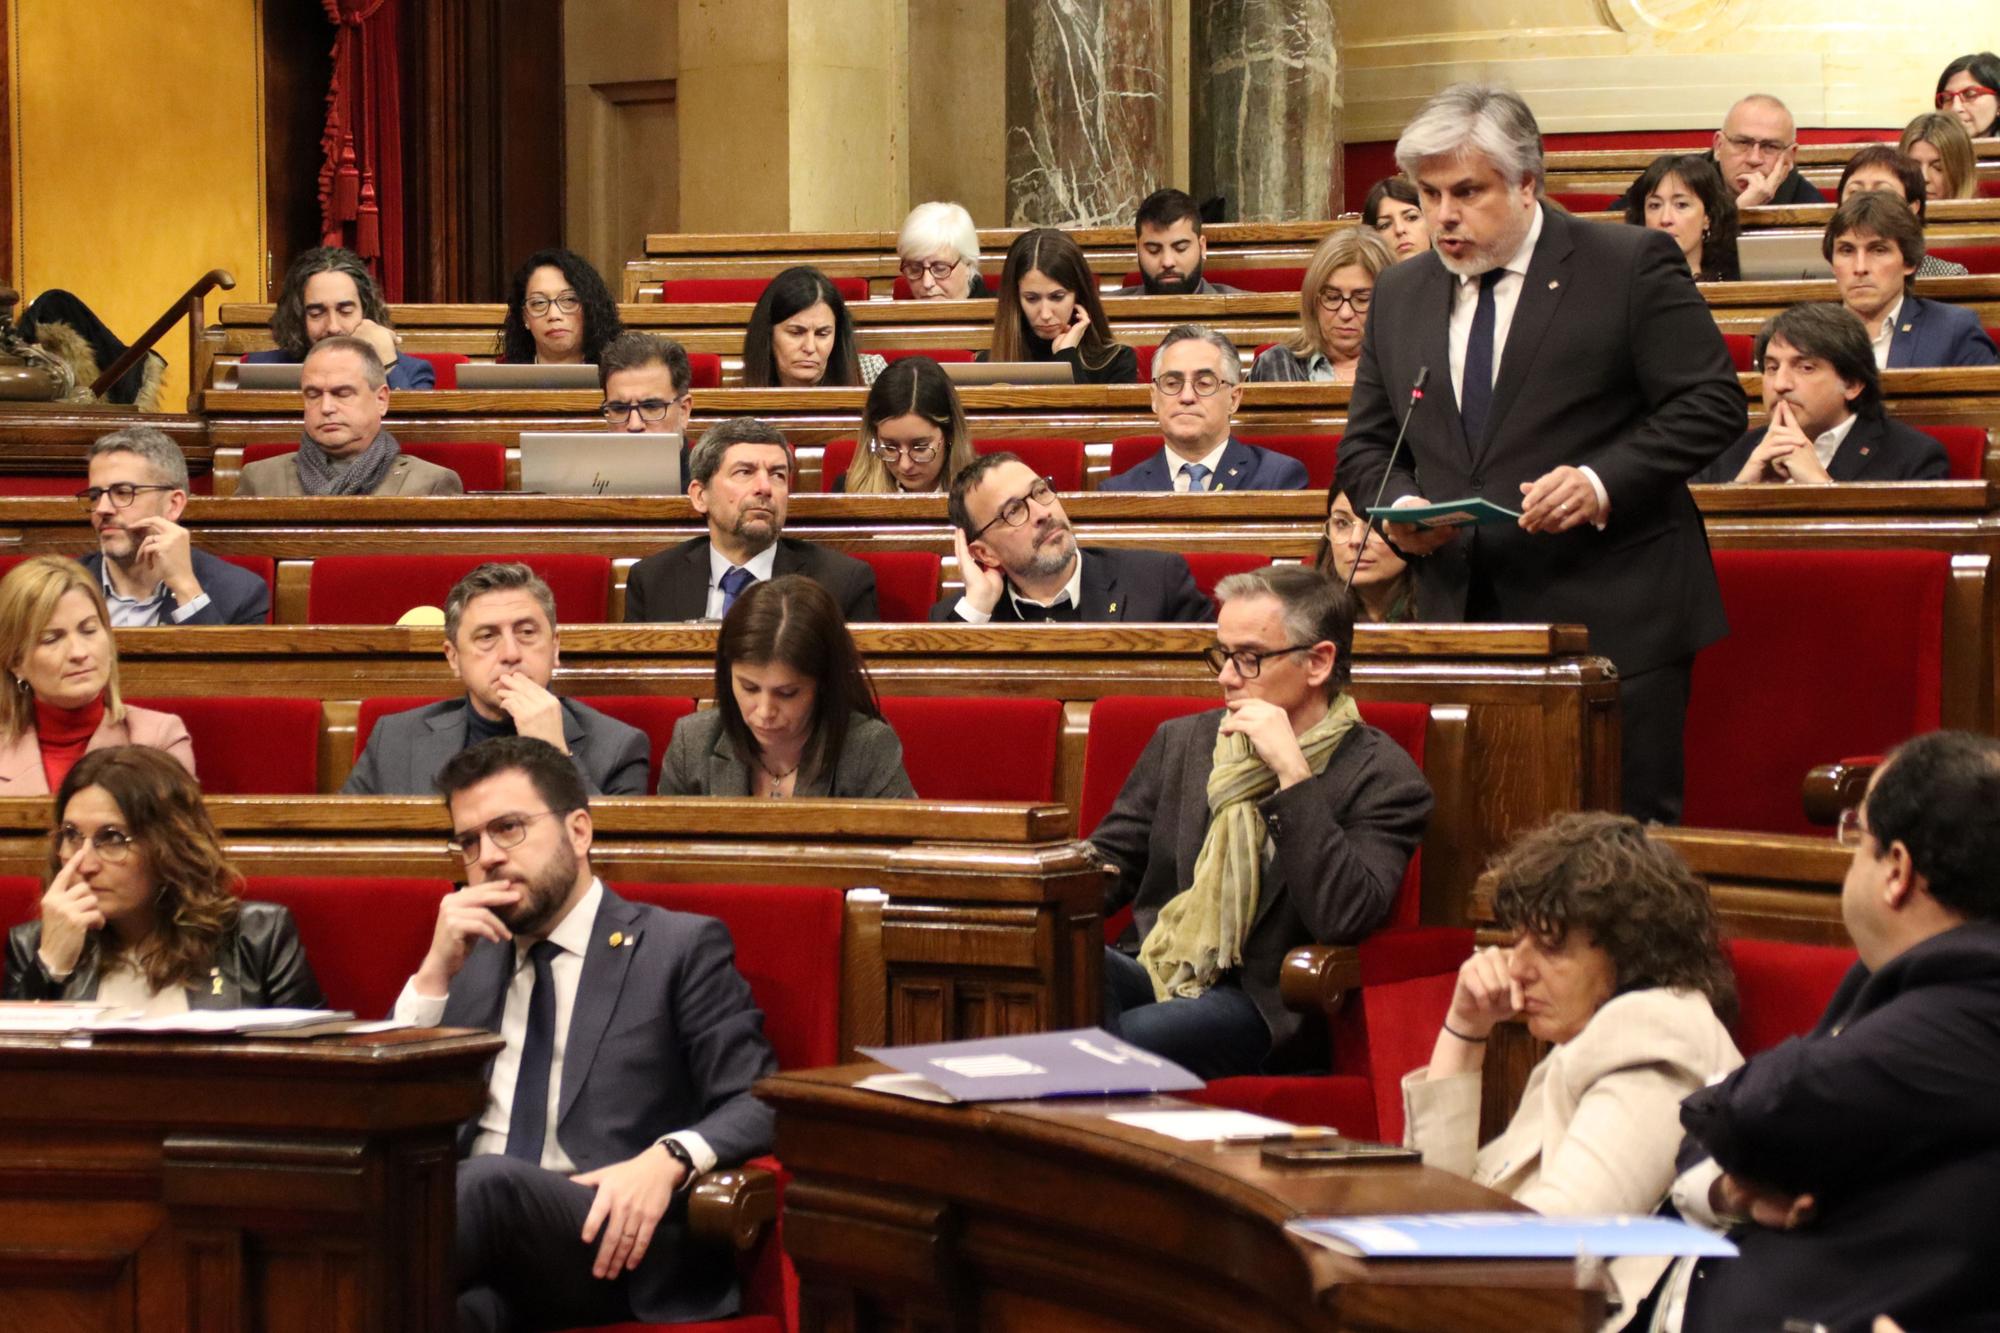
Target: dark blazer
(1613, 360)
(1342, 840)
(259, 964)
(1935, 333)
(407, 750)
(1244, 467)
(673, 584)
(1876, 449)
(1147, 587)
(1884, 1114)
(665, 1037)
(235, 595)
(408, 372)
(1203, 288)
(701, 762)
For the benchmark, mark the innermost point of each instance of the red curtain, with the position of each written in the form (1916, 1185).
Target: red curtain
(361, 168)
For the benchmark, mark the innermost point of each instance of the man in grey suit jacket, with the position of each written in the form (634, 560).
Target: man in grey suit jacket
(632, 1045)
(343, 449)
(501, 640)
(1197, 387)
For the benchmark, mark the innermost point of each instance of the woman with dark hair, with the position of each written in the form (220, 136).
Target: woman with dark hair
(1969, 88)
(1682, 194)
(1617, 964)
(913, 435)
(1943, 149)
(1888, 169)
(1047, 310)
(559, 312)
(795, 712)
(1385, 591)
(1392, 210)
(801, 335)
(328, 291)
(141, 906)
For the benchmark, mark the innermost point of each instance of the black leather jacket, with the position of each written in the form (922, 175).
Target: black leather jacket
(259, 965)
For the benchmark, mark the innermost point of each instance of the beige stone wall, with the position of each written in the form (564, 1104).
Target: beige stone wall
(958, 105)
(621, 127)
(848, 97)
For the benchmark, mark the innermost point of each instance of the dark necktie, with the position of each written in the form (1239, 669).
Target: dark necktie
(528, 1124)
(1063, 609)
(734, 581)
(1476, 394)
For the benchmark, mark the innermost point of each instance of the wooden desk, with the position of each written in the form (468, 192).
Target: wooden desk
(191, 1186)
(1035, 1216)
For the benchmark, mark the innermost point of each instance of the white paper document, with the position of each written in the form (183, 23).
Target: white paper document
(1205, 1125)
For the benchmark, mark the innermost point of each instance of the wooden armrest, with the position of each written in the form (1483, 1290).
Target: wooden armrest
(1317, 977)
(1831, 788)
(733, 1206)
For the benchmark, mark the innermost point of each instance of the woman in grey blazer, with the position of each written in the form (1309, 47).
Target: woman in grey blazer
(795, 712)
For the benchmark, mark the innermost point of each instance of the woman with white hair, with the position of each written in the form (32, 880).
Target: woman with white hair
(939, 251)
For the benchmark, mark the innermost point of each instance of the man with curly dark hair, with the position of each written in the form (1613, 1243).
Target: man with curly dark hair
(329, 293)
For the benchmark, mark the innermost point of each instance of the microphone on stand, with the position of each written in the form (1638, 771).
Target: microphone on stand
(1416, 396)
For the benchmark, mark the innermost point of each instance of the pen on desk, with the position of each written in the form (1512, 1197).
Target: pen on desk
(1300, 1134)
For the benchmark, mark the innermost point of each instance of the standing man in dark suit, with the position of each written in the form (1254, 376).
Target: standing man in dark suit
(632, 1044)
(740, 478)
(152, 574)
(1018, 556)
(1576, 375)
(1876, 247)
(1197, 387)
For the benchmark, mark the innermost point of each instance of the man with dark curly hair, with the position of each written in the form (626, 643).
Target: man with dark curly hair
(329, 293)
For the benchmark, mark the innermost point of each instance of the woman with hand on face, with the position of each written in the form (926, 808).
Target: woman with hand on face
(55, 636)
(795, 712)
(1384, 590)
(1617, 964)
(912, 432)
(1969, 88)
(1333, 312)
(938, 253)
(141, 908)
(1391, 212)
(559, 312)
(1942, 148)
(800, 335)
(1682, 194)
(1047, 310)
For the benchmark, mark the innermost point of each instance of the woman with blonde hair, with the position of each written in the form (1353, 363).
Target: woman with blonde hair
(913, 435)
(1333, 311)
(1942, 148)
(62, 665)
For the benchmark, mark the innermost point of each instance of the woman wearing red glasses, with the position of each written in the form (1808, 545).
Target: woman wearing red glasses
(1969, 88)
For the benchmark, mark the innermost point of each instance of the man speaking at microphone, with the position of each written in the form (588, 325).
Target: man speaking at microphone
(1578, 378)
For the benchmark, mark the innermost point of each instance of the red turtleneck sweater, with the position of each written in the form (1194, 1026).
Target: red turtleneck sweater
(64, 734)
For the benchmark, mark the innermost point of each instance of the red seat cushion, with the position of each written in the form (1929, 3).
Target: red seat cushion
(1320, 452)
(654, 714)
(1284, 279)
(1742, 350)
(364, 935)
(939, 733)
(900, 290)
(944, 356)
(742, 291)
(1796, 683)
(444, 366)
(37, 484)
(1783, 988)
(374, 710)
(834, 462)
(1976, 258)
(1344, 1101)
(247, 746)
(1145, 353)
(1964, 447)
(20, 900)
(704, 370)
(378, 589)
(480, 467)
(1058, 458)
(1128, 451)
(1584, 201)
(1212, 567)
(906, 584)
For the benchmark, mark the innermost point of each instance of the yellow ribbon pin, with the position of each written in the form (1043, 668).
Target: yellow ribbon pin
(617, 938)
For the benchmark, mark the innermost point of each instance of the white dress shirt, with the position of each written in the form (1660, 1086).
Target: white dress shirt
(1828, 443)
(131, 613)
(1073, 590)
(759, 564)
(1177, 466)
(1887, 335)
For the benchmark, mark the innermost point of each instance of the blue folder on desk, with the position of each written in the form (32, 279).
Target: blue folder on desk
(1509, 1236)
(1083, 1062)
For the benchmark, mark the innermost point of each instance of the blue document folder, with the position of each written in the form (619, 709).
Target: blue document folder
(1509, 1236)
(1083, 1062)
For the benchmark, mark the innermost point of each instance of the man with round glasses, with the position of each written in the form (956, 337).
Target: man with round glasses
(648, 388)
(1197, 387)
(151, 572)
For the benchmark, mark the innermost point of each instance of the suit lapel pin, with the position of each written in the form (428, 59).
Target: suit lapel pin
(215, 981)
(1906, 328)
(617, 939)
(1112, 609)
(1554, 283)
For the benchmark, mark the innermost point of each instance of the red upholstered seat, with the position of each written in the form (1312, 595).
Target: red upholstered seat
(742, 291)
(654, 714)
(942, 355)
(1320, 453)
(1145, 353)
(378, 589)
(1259, 279)
(263, 566)
(480, 467)
(1344, 1101)
(1989, 189)
(20, 900)
(1782, 988)
(1584, 201)
(247, 746)
(899, 290)
(704, 370)
(1964, 447)
(1058, 458)
(35, 484)
(978, 749)
(1977, 258)
(834, 462)
(444, 365)
(906, 584)
(374, 710)
(1742, 350)
(1796, 683)
(1128, 451)
(363, 935)
(1212, 567)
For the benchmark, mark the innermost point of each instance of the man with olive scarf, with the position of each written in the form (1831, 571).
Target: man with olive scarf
(1278, 820)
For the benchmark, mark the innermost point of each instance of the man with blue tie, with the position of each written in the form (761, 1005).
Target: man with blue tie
(1197, 387)
(571, 1194)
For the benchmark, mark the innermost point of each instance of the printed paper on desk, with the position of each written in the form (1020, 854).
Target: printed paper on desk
(1084, 1062)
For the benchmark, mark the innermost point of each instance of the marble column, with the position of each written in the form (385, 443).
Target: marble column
(1264, 121)
(1088, 112)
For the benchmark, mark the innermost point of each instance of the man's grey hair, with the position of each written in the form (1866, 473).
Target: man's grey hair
(1475, 117)
(495, 576)
(1316, 607)
(162, 455)
(1231, 359)
(706, 460)
(371, 362)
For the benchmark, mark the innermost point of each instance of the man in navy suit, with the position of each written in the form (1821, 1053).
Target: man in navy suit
(151, 573)
(1197, 387)
(632, 1044)
(1875, 246)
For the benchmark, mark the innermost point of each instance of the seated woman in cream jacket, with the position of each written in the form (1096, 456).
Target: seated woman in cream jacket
(1619, 966)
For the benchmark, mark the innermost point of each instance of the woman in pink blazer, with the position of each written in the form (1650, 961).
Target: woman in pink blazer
(62, 667)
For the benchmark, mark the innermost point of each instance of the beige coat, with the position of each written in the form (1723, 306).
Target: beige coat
(1599, 1122)
(21, 772)
(407, 476)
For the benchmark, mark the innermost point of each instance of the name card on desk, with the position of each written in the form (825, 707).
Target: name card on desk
(1508, 1236)
(1083, 1062)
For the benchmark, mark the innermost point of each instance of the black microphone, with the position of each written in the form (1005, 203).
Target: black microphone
(1416, 396)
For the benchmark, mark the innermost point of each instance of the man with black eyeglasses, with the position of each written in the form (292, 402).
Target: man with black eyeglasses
(1197, 387)
(1278, 820)
(151, 573)
(1757, 151)
(1020, 561)
(648, 388)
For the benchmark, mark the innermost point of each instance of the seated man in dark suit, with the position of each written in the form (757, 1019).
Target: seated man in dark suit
(1858, 1166)
(632, 1044)
(500, 639)
(648, 387)
(740, 477)
(343, 449)
(1197, 387)
(1171, 249)
(1876, 246)
(329, 293)
(1757, 151)
(1824, 398)
(151, 574)
(1020, 561)
(1277, 820)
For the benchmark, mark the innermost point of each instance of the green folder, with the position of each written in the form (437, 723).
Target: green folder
(1450, 514)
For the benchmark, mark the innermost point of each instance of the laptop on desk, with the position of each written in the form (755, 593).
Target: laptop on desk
(268, 375)
(1781, 256)
(1008, 372)
(492, 375)
(600, 463)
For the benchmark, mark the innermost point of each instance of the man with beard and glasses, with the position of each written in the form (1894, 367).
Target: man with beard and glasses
(575, 1172)
(1020, 561)
(739, 478)
(1171, 249)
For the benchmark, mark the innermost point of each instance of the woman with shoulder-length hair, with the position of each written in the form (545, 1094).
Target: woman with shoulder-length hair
(1333, 311)
(1683, 195)
(795, 712)
(1969, 88)
(559, 312)
(913, 435)
(1943, 149)
(140, 907)
(328, 292)
(801, 335)
(1047, 309)
(1392, 212)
